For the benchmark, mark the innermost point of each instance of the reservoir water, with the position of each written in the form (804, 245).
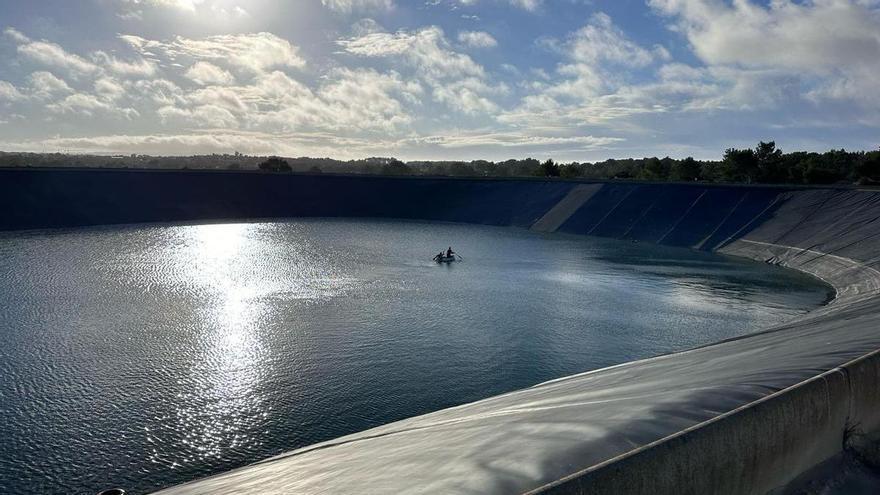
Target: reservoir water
(146, 356)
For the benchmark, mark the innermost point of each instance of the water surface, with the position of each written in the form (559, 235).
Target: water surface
(146, 356)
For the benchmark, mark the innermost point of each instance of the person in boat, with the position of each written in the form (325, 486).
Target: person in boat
(449, 252)
(439, 256)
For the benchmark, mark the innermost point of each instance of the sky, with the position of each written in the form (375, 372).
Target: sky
(573, 80)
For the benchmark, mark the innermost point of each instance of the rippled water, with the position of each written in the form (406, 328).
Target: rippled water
(146, 356)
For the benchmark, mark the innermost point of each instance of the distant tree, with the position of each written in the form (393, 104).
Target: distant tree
(869, 169)
(396, 167)
(820, 169)
(685, 170)
(484, 168)
(654, 169)
(233, 166)
(769, 162)
(315, 170)
(547, 169)
(739, 165)
(572, 170)
(461, 169)
(522, 168)
(275, 164)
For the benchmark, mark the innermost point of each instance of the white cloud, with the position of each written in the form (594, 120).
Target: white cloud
(597, 57)
(206, 73)
(161, 92)
(45, 85)
(186, 5)
(836, 41)
(139, 67)
(53, 55)
(530, 5)
(109, 88)
(593, 86)
(88, 105)
(215, 141)
(16, 35)
(477, 39)
(210, 116)
(366, 26)
(8, 92)
(352, 100)
(255, 52)
(527, 4)
(456, 80)
(601, 41)
(515, 140)
(349, 6)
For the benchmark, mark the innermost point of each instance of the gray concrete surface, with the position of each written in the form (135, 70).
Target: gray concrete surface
(562, 211)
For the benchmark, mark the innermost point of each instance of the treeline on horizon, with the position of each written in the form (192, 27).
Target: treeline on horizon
(765, 164)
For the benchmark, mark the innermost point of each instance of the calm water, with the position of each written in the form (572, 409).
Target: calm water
(143, 357)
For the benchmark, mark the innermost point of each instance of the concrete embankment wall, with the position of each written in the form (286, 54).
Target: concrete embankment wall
(746, 415)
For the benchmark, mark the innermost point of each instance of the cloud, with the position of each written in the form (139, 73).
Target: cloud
(477, 39)
(46, 85)
(529, 5)
(201, 116)
(16, 35)
(52, 55)
(349, 6)
(515, 140)
(8, 92)
(214, 141)
(456, 80)
(109, 89)
(601, 41)
(595, 84)
(138, 67)
(254, 52)
(836, 41)
(597, 58)
(366, 26)
(350, 100)
(88, 105)
(206, 73)
(186, 5)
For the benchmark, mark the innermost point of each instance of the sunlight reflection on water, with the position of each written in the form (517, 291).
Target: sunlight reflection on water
(213, 346)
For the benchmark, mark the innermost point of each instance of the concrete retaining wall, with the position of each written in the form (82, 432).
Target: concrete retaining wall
(746, 415)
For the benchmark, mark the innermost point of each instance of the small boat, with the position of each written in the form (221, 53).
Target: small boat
(445, 259)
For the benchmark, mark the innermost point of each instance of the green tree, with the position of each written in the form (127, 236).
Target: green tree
(522, 168)
(739, 165)
(461, 169)
(396, 167)
(685, 170)
(769, 160)
(548, 169)
(654, 169)
(572, 170)
(275, 164)
(869, 169)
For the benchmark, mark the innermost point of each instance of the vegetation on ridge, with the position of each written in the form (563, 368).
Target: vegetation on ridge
(765, 164)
